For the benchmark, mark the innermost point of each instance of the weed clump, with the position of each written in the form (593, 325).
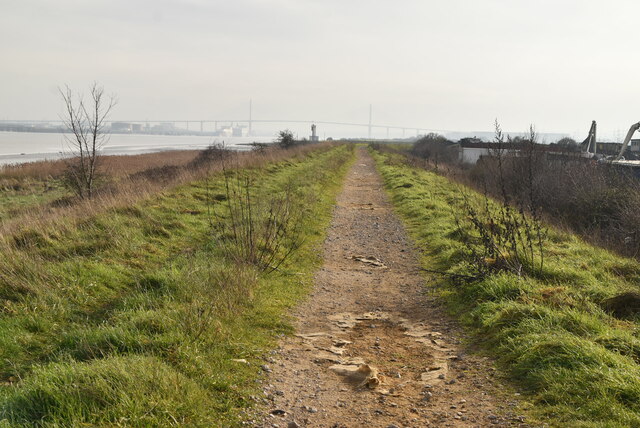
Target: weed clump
(625, 305)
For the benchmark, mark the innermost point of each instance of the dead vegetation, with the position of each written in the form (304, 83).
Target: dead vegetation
(506, 233)
(265, 227)
(115, 166)
(86, 124)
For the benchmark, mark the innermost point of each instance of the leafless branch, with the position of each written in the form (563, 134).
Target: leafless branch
(87, 135)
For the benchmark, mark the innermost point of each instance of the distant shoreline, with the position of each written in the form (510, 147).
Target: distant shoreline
(25, 147)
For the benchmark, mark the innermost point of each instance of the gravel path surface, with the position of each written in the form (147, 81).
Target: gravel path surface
(373, 349)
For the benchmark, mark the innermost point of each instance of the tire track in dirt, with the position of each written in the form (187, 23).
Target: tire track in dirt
(372, 348)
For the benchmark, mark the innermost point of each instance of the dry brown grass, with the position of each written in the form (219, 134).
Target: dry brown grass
(113, 166)
(128, 190)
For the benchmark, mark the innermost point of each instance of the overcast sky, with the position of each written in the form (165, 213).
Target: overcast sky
(454, 64)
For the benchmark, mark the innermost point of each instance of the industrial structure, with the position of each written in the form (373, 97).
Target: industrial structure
(314, 136)
(471, 150)
(612, 151)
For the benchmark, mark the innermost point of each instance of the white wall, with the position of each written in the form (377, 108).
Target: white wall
(470, 155)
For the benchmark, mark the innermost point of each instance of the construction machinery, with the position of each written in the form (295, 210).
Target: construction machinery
(590, 146)
(627, 139)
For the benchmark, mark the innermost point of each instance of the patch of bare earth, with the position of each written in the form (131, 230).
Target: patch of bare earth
(372, 348)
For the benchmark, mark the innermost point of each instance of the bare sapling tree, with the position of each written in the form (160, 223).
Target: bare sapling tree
(263, 227)
(506, 232)
(87, 134)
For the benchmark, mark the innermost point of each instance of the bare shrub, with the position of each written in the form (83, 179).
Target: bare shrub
(87, 134)
(507, 233)
(264, 227)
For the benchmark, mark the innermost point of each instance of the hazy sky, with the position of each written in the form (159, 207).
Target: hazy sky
(450, 64)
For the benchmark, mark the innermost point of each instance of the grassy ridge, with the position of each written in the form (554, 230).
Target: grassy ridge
(133, 317)
(549, 333)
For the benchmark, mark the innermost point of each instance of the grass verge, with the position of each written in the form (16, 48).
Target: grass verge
(549, 333)
(135, 317)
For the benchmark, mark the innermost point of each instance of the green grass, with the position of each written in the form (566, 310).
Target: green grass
(133, 317)
(577, 364)
(18, 196)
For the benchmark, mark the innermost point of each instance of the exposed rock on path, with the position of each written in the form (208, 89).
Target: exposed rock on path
(372, 348)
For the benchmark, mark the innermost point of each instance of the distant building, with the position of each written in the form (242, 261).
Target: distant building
(125, 127)
(471, 150)
(239, 131)
(471, 155)
(225, 131)
(635, 145)
(120, 127)
(163, 127)
(232, 131)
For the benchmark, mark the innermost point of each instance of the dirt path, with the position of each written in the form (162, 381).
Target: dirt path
(372, 348)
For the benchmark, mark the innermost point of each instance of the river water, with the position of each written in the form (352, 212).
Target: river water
(19, 147)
